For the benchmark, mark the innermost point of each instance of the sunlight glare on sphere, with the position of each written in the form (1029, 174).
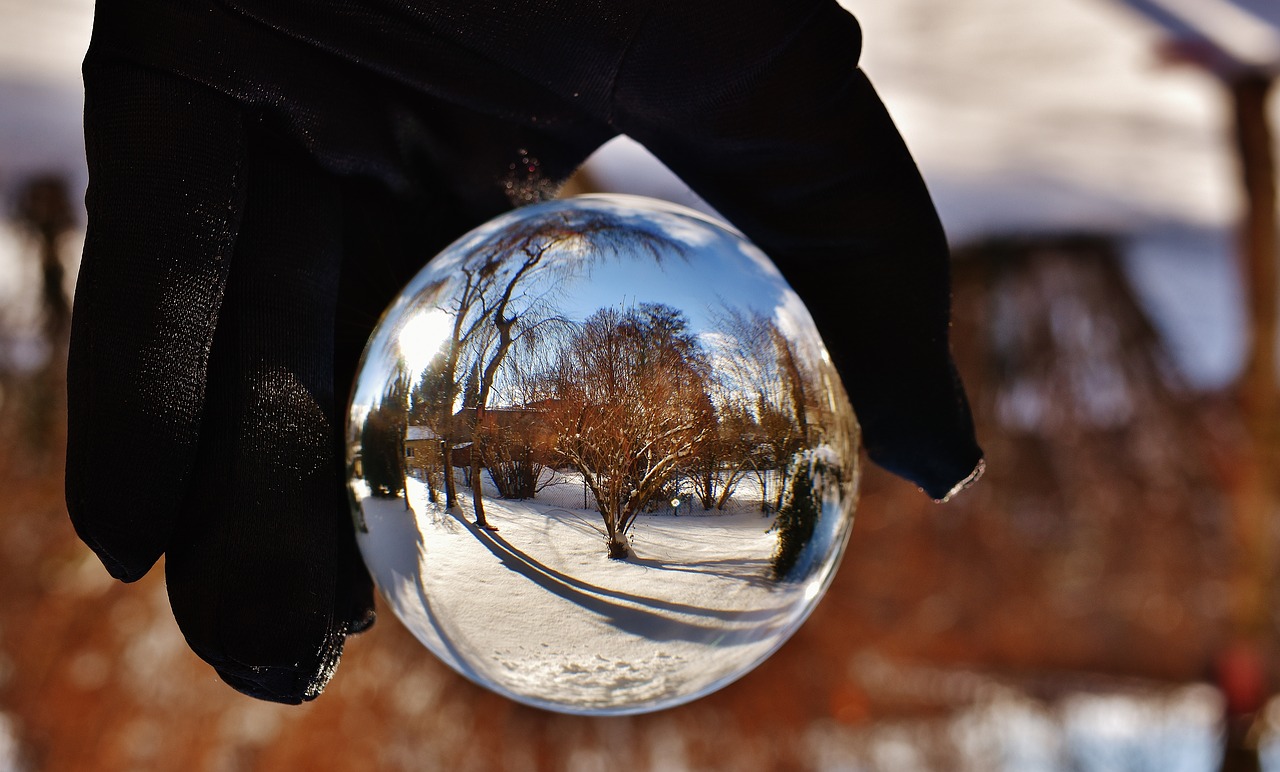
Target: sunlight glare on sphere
(421, 337)
(600, 461)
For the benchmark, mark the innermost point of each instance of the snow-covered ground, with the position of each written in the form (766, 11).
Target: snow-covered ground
(539, 612)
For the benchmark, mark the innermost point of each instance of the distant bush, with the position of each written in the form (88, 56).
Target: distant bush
(812, 471)
(382, 443)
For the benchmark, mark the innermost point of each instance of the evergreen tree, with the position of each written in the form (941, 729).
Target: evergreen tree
(796, 518)
(382, 442)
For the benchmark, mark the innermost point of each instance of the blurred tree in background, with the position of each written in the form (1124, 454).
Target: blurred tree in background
(43, 213)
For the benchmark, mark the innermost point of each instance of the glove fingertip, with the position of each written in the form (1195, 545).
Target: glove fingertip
(264, 684)
(363, 621)
(974, 475)
(284, 684)
(126, 558)
(940, 469)
(127, 572)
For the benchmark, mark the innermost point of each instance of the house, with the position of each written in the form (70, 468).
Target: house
(526, 425)
(421, 450)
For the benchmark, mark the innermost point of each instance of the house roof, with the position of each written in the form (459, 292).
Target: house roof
(1238, 34)
(419, 433)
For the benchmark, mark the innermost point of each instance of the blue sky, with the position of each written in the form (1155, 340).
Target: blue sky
(719, 268)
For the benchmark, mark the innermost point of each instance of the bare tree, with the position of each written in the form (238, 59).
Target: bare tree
(630, 406)
(762, 373)
(513, 315)
(507, 281)
(516, 444)
(728, 454)
(439, 386)
(482, 303)
(44, 209)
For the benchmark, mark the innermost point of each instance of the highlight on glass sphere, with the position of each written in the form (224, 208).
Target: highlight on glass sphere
(600, 461)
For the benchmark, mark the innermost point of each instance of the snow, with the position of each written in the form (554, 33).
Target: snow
(412, 433)
(539, 612)
(10, 760)
(1146, 727)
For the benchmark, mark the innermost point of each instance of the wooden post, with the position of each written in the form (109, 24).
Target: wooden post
(1244, 673)
(1257, 389)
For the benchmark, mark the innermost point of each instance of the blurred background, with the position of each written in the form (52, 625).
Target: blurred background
(1104, 599)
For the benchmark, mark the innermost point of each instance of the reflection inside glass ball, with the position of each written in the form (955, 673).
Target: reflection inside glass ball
(600, 460)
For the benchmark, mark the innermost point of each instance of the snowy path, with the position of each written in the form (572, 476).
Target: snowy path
(538, 611)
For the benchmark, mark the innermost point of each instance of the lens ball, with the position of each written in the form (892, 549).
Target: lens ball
(600, 461)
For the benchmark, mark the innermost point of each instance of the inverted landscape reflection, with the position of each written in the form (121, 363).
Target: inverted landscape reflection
(600, 461)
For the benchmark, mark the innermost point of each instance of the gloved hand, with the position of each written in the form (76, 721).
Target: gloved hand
(264, 177)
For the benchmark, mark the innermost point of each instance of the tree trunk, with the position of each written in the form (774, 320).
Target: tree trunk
(706, 489)
(619, 549)
(615, 522)
(477, 480)
(782, 488)
(44, 208)
(763, 479)
(730, 485)
(450, 485)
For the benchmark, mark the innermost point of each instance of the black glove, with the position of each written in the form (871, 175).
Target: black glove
(264, 179)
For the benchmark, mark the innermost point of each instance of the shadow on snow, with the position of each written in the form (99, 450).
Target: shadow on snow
(637, 621)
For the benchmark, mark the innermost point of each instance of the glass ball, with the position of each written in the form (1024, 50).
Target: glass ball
(600, 460)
